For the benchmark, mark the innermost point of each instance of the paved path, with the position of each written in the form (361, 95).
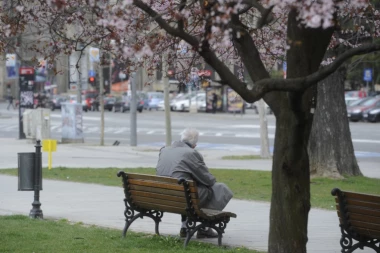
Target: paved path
(104, 206)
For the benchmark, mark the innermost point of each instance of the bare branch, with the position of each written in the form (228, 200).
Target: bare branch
(266, 14)
(298, 84)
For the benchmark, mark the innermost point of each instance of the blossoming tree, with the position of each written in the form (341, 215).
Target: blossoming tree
(250, 33)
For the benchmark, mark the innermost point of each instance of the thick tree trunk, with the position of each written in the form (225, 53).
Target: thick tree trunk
(331, 152)
(290, 203)
(291, 186)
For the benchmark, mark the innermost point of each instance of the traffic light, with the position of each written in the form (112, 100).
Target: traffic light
(91, 80)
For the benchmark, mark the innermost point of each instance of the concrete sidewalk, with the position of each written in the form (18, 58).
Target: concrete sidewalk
(104, 206)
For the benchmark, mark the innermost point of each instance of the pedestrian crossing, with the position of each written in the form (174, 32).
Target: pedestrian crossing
(94, 130)
(90, 129)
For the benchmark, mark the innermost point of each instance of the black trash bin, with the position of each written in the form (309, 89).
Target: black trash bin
(27, 172)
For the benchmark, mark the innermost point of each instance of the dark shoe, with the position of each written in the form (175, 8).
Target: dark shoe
(210, 233)
(183, 233)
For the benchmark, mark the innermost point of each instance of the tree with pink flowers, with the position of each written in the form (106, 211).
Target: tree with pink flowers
(252, 34)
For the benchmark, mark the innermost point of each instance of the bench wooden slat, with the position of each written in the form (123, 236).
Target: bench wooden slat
(354, 202)
(156, 178)
(161, 196)
(364, 218)
(154, 184)
(362, 197)
(368, 233)
(365, 211)
(159, 190)
(138, 199)
(162, 208)
(361, 224)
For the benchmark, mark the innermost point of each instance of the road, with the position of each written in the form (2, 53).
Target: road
(216, 130)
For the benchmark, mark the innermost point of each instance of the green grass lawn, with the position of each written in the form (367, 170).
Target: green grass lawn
(246, 184)
(19, 234)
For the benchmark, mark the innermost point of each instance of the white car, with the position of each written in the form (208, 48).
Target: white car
(161, 105)
(183, 105)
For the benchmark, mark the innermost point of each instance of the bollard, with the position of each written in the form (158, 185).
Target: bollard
(30, 177)
(36, 211)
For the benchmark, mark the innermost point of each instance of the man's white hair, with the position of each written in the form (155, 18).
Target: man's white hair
(190, 135)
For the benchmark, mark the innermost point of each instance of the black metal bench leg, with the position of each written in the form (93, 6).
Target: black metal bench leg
(128, 223)
(220, 234)
(191, 232)
(156, 228)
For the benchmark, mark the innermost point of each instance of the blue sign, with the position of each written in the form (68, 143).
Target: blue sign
(91, 73)
(367, 76)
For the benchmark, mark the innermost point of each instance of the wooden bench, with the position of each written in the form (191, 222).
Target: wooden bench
(359, 218)
(151, 196)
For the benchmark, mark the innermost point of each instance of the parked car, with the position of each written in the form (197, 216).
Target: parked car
(123, 104)
(352, 96)
(161, 106)
(179, 97)
(355, 113)
(56, 100)
(372, 115)
(153, 99)
(109, 102)
(73, 99)
(184, 104)
(118, 105)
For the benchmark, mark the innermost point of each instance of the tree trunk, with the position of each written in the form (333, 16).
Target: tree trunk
(290, 202)
(331, 152)
(264, 148)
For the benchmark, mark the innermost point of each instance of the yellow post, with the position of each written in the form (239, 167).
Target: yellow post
(49, 160)
(49, 146)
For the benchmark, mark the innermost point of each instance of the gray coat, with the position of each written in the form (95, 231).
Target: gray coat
(181, 161)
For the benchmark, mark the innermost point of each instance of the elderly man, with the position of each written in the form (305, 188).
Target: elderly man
(181, 160)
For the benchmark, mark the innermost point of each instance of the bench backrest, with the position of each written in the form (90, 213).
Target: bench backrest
(359, 214)
(164, 194)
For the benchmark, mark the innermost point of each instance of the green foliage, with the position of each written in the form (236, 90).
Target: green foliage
(19, 234)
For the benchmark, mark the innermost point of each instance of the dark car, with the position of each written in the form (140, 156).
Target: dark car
(119, 104)
(55, 102)
(372, 115)
(355, 113)
(125, 104)
(109, 102)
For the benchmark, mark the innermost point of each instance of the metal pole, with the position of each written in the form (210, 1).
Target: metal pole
(79, 94)
(110, 76)
(101, 104)
(21, 134)
(168, 129)
(36, 211)
(133, 108)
